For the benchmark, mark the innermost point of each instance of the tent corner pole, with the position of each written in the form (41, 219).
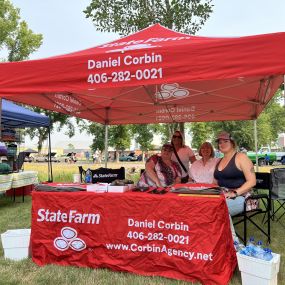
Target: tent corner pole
(106, 145)
(255, 144)
(50, 175)
(0, 118)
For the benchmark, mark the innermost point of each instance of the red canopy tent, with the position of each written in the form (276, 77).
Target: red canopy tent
(154, 76)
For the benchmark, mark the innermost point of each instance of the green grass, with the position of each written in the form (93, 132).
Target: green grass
(18, 215)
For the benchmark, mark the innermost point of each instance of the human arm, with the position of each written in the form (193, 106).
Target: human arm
(177, 180)
(192, 156)
(150, 171)
(246, 166)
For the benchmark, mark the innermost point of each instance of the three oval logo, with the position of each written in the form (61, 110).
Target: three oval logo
(69, 239)
(171, 90)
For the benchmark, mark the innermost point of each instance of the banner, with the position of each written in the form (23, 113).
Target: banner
(180, 237)
(107, 174)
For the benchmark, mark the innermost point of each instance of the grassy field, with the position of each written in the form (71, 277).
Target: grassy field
(18, 215)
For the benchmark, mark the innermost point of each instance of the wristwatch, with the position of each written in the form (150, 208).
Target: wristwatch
(236, 193)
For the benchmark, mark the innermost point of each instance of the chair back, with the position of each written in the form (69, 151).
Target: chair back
(263, 180)
(20, 160)
(278, 182)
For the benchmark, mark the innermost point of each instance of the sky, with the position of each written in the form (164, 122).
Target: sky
(65, 29)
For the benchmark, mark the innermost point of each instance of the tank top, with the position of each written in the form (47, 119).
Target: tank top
(230, 177)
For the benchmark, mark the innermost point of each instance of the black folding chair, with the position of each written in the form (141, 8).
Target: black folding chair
(278, 194)
(263, 202)
(82, 174)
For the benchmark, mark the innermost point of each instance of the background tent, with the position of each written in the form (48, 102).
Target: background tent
(154, 76)
(15, 116)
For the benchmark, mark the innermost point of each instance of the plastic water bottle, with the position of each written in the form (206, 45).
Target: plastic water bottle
(244, 250)
(236, 245)
(88, 176)
(259, 252)
(267, 254)
(251, 246)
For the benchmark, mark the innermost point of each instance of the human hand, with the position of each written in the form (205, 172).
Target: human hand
(231, 195)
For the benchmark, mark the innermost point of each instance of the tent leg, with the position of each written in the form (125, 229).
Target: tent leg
(50, 176)
(255, 144)
(106, 145)
(0, 118)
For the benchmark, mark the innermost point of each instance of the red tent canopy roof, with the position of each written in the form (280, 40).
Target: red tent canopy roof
(154, 76)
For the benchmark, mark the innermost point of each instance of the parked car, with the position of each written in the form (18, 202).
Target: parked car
(69, 157)
(130, 157)
(44, 158)
(29, 155)
(28, 158)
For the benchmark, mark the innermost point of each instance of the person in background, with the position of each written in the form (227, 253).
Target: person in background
(267, 159)
(87, 155)
(94, 157)
(160, 170)
(182, 154)
(235, 172)
(202, 170)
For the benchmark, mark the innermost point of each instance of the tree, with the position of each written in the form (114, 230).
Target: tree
(270, 123)
(15, 36)
(125, 17)
(200, 133)
(120, 137)
(70, 146)
(98, 133)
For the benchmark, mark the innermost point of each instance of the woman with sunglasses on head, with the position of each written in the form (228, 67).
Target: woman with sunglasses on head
(235, 172)
(160, 170)
(202, 170)
(182, 154)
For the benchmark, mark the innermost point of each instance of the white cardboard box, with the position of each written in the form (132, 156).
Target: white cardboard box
(131, 186)
(98, 187)
(118, 189)
(16, 243)
(258, 271)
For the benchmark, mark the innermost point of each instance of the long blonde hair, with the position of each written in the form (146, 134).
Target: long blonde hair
(182, 136)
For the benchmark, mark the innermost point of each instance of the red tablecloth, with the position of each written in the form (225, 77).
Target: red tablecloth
(181, 237)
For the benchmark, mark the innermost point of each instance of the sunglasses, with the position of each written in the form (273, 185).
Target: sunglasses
(220, 141)
(167, 149)
(177, 137)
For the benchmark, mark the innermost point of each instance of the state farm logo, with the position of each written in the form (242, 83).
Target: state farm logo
(171, 90)
(69, 239)
(131, 47)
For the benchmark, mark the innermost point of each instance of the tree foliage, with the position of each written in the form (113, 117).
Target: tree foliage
(15, 35)
(98, 133)
(270, 123)
(143, 134)
(125, 16)
(200, 133)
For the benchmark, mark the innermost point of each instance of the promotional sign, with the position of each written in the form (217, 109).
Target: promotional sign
(177, 237)
(107, 174)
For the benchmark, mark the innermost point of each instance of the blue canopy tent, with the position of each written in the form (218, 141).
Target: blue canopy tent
(15, 116)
